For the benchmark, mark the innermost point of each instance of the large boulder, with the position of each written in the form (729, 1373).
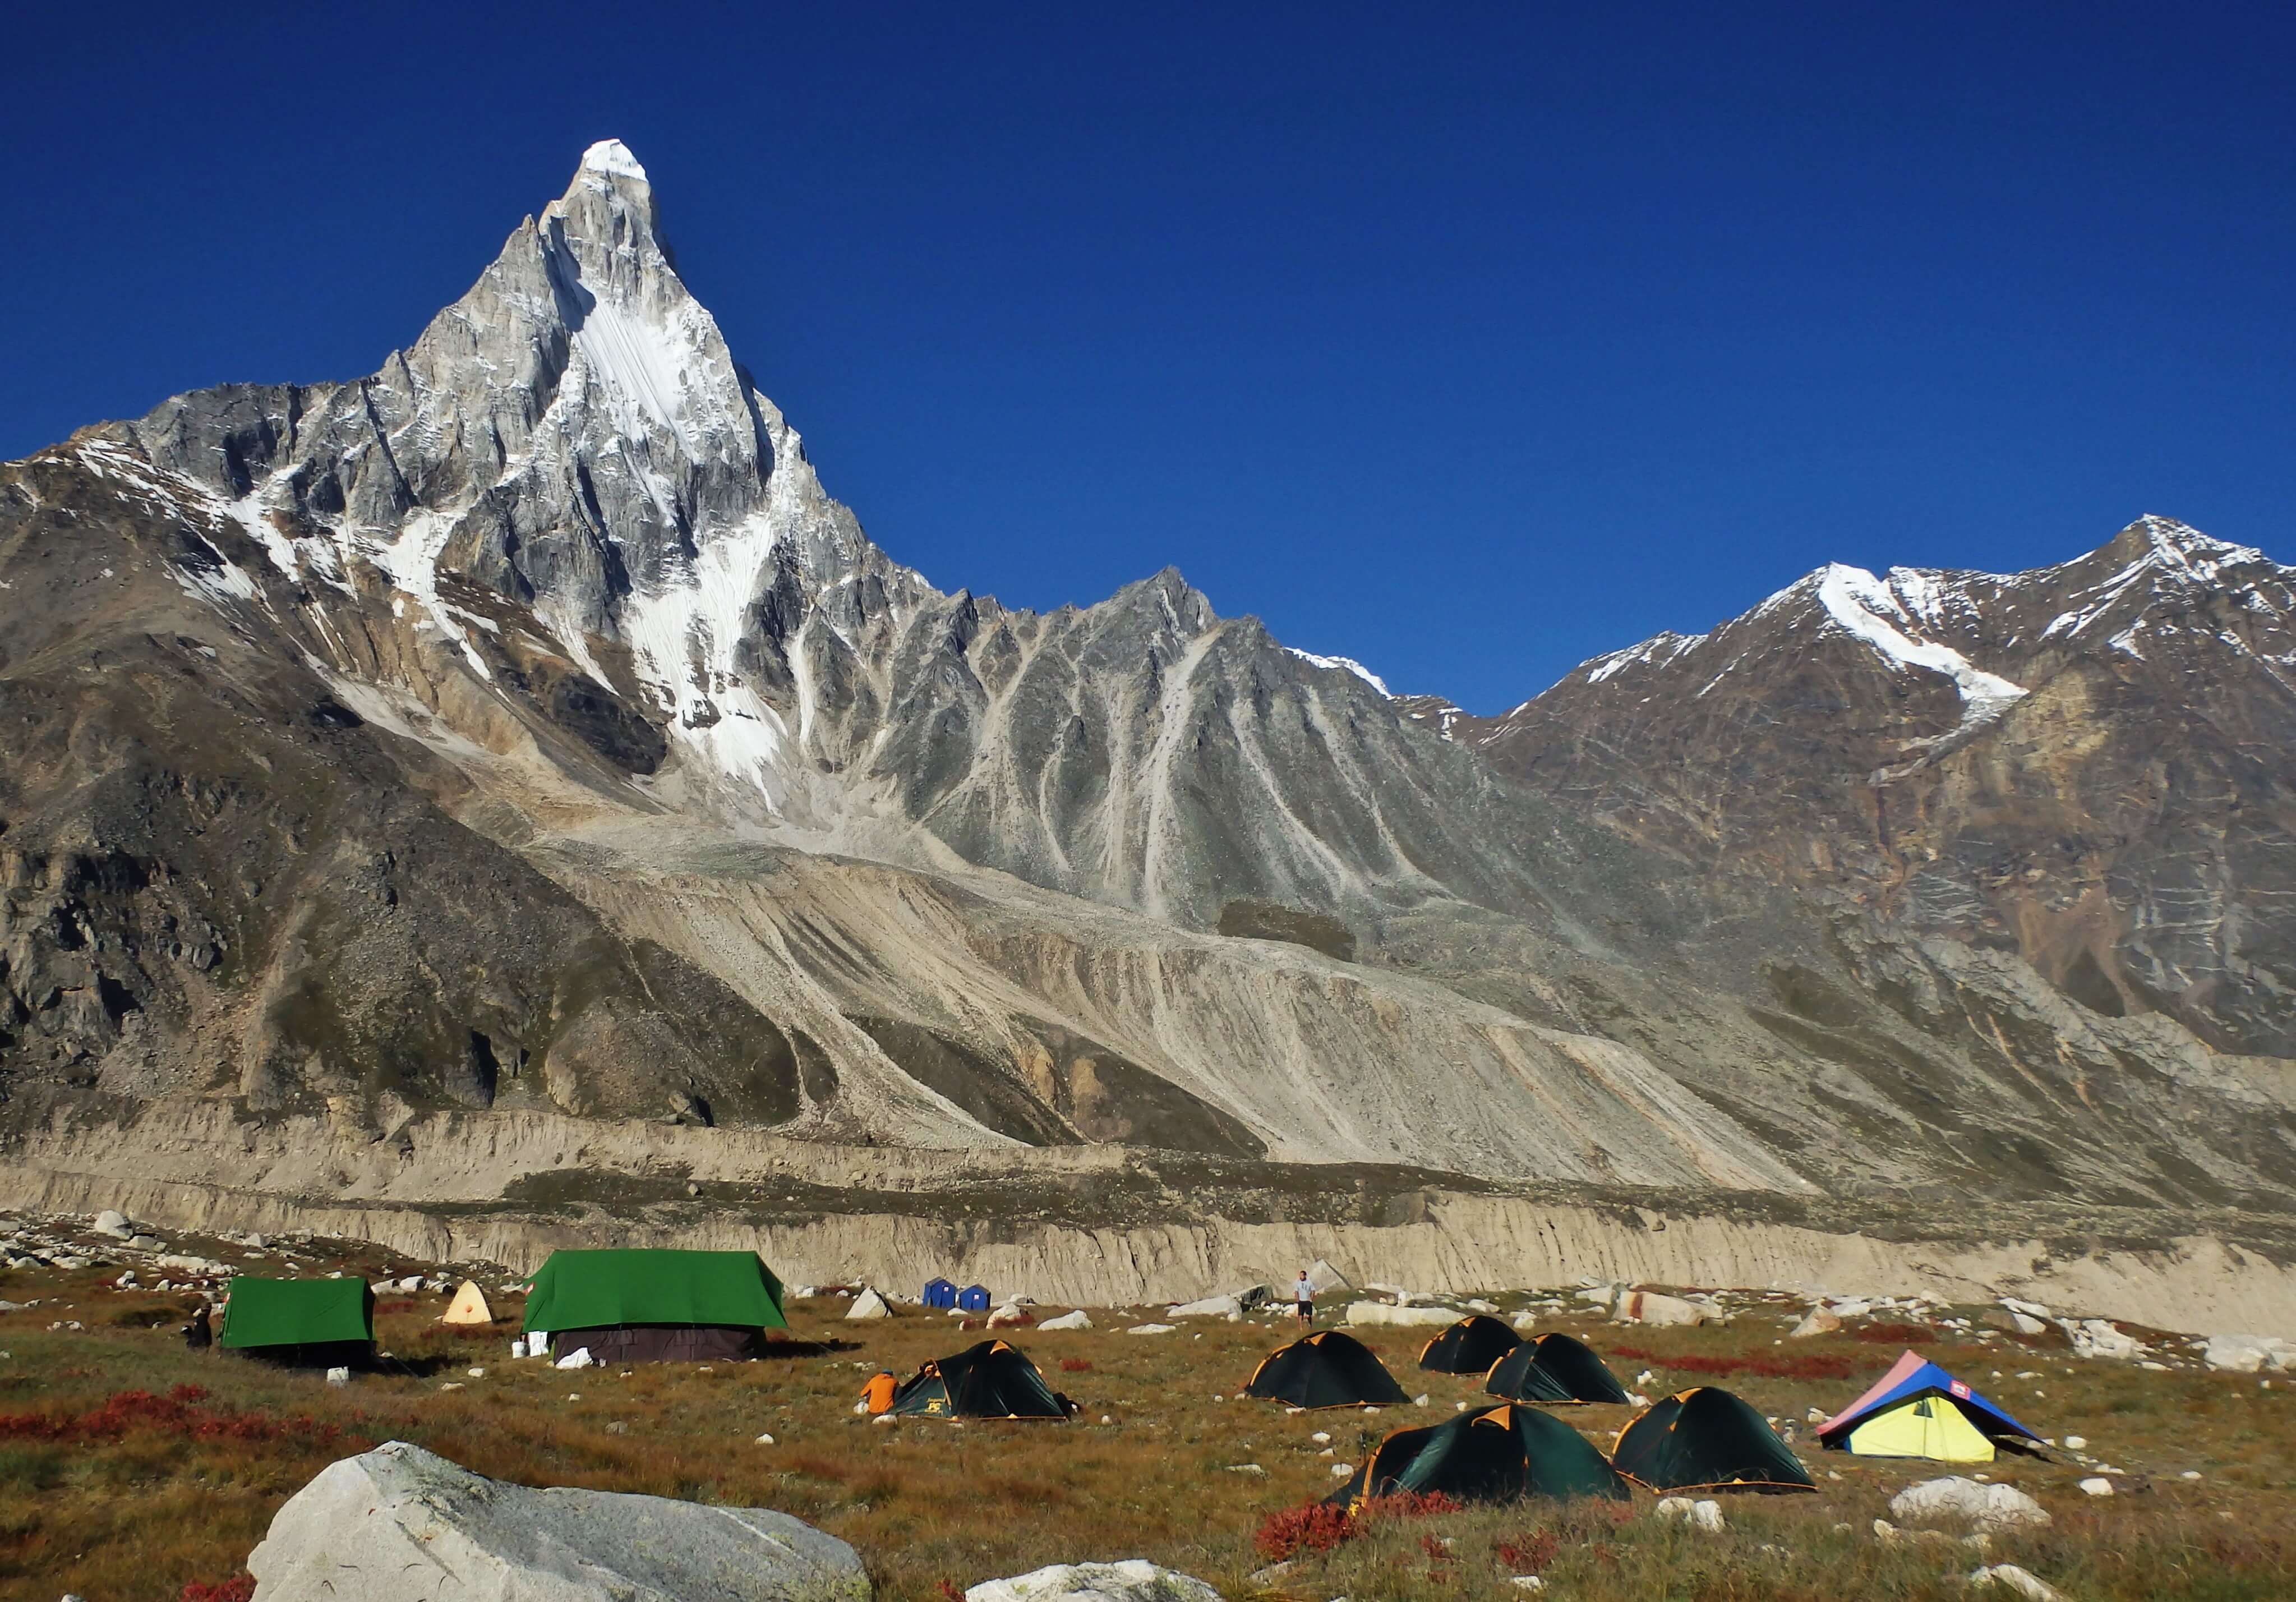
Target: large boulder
(1135, 1579)
(2246, 1354)
(402, 1524)
(1380, 1313)
(1817, 1321)
(1987, 1506)
(2096, 1337)
(1210, 1307)
(114, 1224)
(867, 1305)
(1648, 1307)
(1070, 1320)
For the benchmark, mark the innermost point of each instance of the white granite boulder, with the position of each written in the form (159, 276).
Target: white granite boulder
(1648, 1307)
(402, 1524)
(1135, 1579)
(1380, 1313)
(1989, 1506)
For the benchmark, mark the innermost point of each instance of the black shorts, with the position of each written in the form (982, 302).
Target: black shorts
(1306, 1309)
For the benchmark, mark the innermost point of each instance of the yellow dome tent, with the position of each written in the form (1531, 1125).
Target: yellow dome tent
(468, 1307)
(1928, 1426)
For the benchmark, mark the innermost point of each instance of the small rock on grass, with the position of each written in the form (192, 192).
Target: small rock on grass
(765, 1440)
(2097, 1486)
(1700, 1514)
(1993, 1506)
(1527, 1582)
(2017, 1581)
(1341, 1471)
(1135, 1579)
(1245, 1468)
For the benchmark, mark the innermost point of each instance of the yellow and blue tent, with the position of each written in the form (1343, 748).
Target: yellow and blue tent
(1919, 1410)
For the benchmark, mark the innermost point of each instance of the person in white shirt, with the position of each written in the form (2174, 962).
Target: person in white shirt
(1303, 1296)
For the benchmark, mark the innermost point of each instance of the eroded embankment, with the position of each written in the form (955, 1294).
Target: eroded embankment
(1095, 1225)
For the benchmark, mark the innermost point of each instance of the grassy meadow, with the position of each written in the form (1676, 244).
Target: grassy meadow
(132, 1470)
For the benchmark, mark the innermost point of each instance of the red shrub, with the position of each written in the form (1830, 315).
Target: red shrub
(1318, 1527)
(1076, 1365)
(1409, 1504)
(405, 1305)
(1895, 1335)
(178, 1413)
(238, 1587)
(1793, 1365)
(1531, 1556)
(1312, 1528)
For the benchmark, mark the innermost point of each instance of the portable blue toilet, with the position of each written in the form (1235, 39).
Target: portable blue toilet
(973, 1298)
(940, 1292)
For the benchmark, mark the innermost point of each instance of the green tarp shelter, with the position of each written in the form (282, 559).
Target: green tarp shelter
(315, 1322)
(1498, 1454)
(1706, 1439)
(627, 1305)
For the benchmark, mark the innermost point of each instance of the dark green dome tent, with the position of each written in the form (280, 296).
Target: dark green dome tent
(631, 1306)
(1500, 1455)
(991, 1380)
(1470, 1346)
(309, 1323)
(1554, 1368)
(1327, 1370)
(1706, 1439)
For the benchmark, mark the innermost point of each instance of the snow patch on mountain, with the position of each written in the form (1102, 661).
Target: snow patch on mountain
(613, 156)
(1346, 664)
(1660, 649)
(1861, 604)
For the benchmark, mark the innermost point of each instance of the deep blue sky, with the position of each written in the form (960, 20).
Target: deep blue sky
(1470, 345)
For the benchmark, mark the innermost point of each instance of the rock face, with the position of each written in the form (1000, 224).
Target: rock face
(521, 733)
(402, 1524)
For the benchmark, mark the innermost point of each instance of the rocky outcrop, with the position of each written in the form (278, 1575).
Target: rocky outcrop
(402, 1524)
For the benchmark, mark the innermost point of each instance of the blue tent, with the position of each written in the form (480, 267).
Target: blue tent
(940, 1292)
(1913, 1376)
(973, 1298)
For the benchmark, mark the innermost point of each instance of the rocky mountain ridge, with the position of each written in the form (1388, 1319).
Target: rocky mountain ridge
(2083, 764)
(523, 732)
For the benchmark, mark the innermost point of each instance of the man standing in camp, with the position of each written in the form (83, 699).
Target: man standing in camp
(1303, 1296)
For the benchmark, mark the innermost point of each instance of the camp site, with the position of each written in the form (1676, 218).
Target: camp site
(1891, 1450)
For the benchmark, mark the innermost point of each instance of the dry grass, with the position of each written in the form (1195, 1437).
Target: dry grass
(132, 1503)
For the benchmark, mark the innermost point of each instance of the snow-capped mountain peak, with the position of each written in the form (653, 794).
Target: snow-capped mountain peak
(612, 158)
